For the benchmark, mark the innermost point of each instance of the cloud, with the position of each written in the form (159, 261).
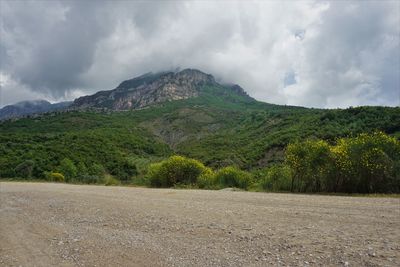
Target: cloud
(318, 54)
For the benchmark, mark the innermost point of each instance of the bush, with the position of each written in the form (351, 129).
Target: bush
(110, 180)
(24, 169)
(55, 177)
(232, 177)
(96, 170)
(367, 163)
(175, 170)
(68, 168)
(207, 179)
(310, 162)
(276, 178)
(125, 170)
(91, 179)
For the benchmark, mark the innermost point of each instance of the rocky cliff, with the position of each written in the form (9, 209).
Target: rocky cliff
(148, 89)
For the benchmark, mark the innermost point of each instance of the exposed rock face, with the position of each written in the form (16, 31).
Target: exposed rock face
(147, 90)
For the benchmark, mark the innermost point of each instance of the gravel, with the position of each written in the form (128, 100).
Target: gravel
(44, 224)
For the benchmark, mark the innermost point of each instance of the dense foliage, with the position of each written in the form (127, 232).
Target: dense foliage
(175, 170)
(367, 163)
(232, 177)
(219, 128)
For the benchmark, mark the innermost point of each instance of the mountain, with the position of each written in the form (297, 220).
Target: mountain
(151, 117)
(150, 89)
(30, 107)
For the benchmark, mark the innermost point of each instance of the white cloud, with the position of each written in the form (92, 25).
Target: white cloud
(338, 53)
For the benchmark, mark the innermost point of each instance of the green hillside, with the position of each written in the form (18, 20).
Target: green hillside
(218, 127)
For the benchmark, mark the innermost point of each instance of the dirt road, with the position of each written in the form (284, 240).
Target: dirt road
(44, 224)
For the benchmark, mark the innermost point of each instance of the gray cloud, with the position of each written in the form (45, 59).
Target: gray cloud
(320, 54)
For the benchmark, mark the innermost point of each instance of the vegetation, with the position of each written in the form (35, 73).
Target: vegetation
(55, 177)
(175, 170)
(276, 178)
(232, 177)
(367, 163)
(364, 164)
(220, 129)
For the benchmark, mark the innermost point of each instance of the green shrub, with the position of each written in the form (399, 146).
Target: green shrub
(232, 177)
(206, 180)
(55, 176)
(96, 170)
(110, 180)
(91, 179)
(24, 169)
(276, 178)
(175, 170)
(366, 163)
(68, 168)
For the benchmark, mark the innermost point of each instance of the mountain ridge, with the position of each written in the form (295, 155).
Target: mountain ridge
(29, 107)
(153, 88)
(221, 126)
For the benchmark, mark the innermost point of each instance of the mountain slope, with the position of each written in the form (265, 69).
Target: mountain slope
(221, 126)
(151, 89)
(30, 107)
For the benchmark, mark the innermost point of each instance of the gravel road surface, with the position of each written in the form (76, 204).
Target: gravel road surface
(45, 224)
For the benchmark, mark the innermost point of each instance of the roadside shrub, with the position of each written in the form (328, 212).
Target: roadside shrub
(91, 179)
(124, 170)
(68, 168)
(110, 180)
(276, 178)
(206, 180)
(96, 170)
(175, 170)
(232, 177)
(55, 177)
(310, 162)
(367, 163)
(24, 169)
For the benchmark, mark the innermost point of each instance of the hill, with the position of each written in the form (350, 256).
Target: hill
(25, 108)
(154, 116)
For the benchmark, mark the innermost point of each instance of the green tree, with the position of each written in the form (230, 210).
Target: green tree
(295, 155)
(276, 178)
(68, 169)
(24, 169)
(311, 163)
(367, 163)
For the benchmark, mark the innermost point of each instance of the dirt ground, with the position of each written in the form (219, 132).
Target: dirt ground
(44, 224)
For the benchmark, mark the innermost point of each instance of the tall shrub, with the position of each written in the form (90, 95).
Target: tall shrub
(232, 177)
(175, 170)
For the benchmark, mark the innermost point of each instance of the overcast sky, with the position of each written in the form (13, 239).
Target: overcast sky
(315, 54)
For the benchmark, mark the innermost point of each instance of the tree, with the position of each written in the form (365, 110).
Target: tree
(24, 169)
(276, 178)
(367, 163)
(293, 157)
(68, 169)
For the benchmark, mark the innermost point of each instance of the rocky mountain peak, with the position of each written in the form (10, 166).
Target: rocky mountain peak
(149, 89)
